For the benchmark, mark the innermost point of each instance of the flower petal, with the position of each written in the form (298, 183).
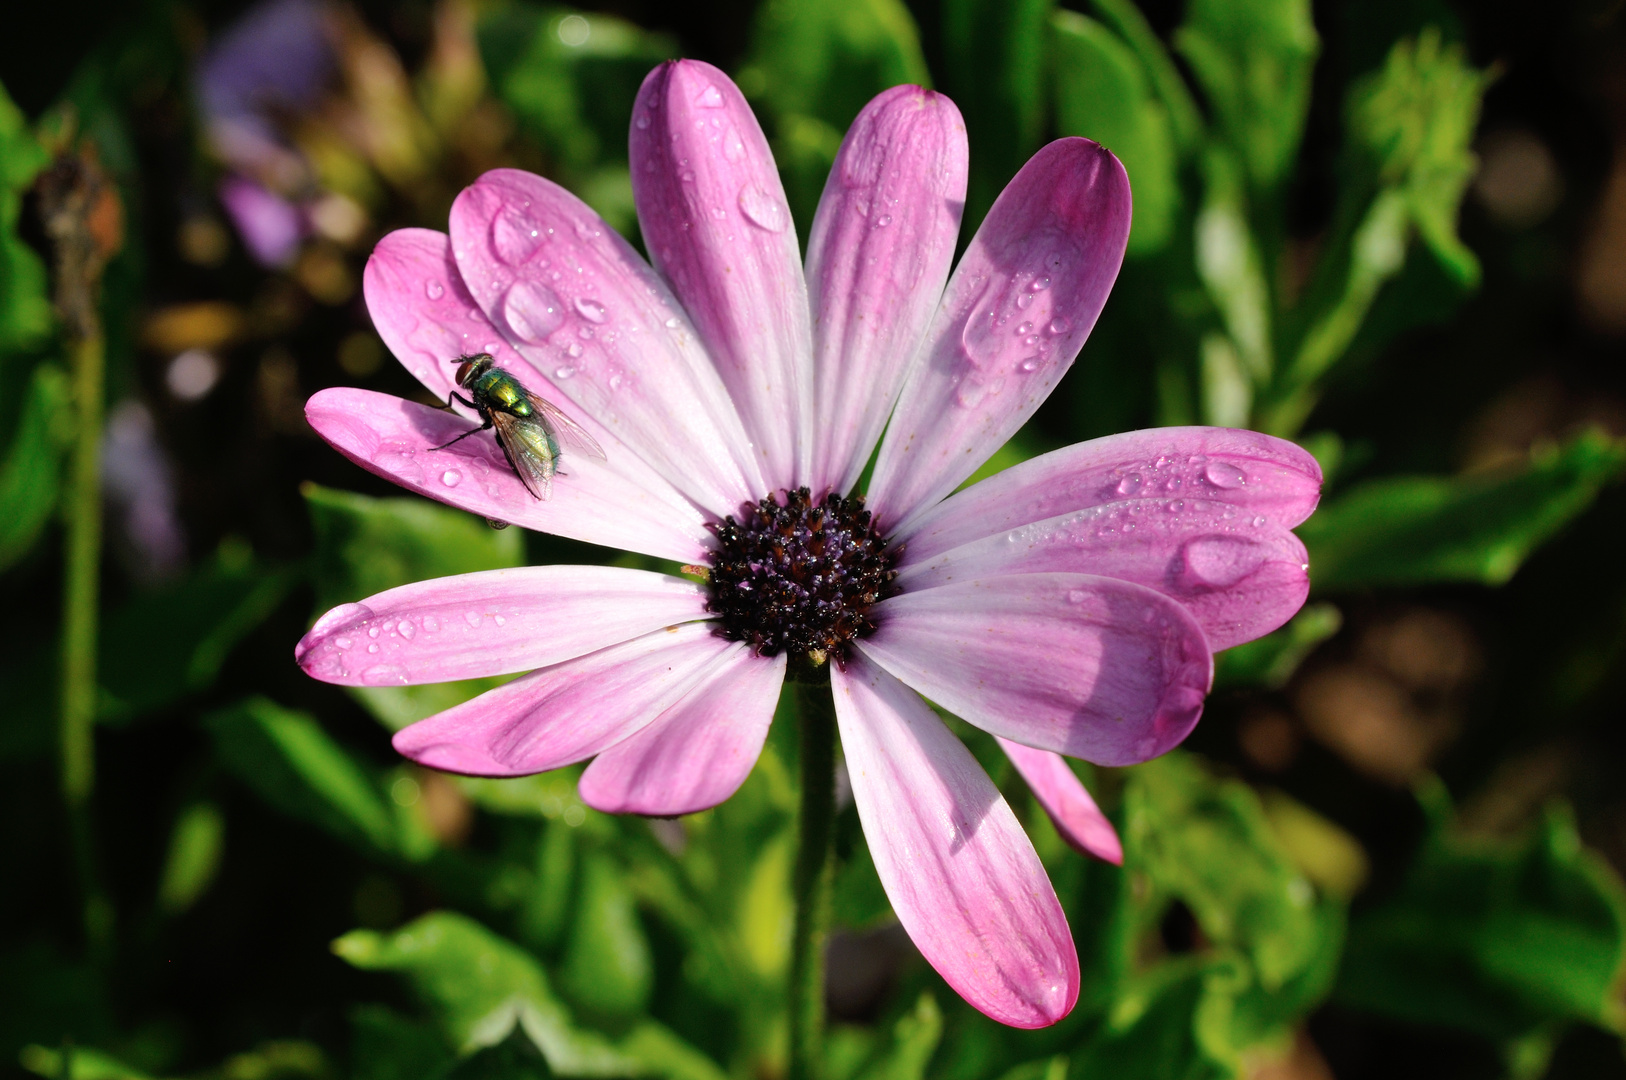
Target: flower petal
(1241, 576)
(1260, 475)
(1018, 308)
(877, 258)
(569, 712)
(699, 751)
(492, 623)
(1059, 790)
(962, 876)
(1090, 667)
(396, 439)
(716, 225)
(572, 296)
(426, 316)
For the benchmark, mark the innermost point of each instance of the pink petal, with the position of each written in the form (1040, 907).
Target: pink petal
(594, 502)
(1240, 576)
(962, 876)
(1090, 667)
(572, 296)
(569, 712)
(1260, 475)
(492, 623)
(877, 258)
(698, 752)
(426, 316)
(1061, 793)
(1018, 308)
(716, 225)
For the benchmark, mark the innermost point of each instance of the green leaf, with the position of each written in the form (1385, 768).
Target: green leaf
(1419, 530)
(827, 58)
(295, 766)
(480, 987)
(1206, 841)
(998, 76)
(83, 1064)
(1253, 59)
(25, 307)
(1185, 121)
(195, 847)
(1102, 92)
(384, 1045)
(1231, 265)
(607, 969)
(1171, 1023)
(1494, 937)
(1270, 661)
(914, 1039)
(31, 475)
(366, 545)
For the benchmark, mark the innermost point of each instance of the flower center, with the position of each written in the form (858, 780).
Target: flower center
(800, 577)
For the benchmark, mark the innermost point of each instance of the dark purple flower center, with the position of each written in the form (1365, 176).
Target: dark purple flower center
(800, 577)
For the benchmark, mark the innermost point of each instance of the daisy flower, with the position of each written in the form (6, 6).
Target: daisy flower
(1069, 605)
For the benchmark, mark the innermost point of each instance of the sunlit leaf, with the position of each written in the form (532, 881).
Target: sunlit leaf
(82, 1063)
(1494, 937)
(914, 1038)
(1417, 530)
(480, 988)
(606, 969)
(25, 308)
(30, 475)
(1253, 59)
(195, 847)
(1271, 660)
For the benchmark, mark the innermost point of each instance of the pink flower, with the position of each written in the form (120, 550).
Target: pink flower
(1068, 605)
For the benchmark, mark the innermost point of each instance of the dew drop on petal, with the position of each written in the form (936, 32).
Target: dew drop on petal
(883, 221)
(372, 631)
(589, 309)
(431, 624)
(1077, 596)
(1024, 329)
(1131, 484)
(1222, 474)
(763, 210)
(710, 98)
(406, 629)
(1024, 300)
(1222, 561)
(1060, 324)
(499, 620)
(384, 675)
(1030, 364)
(673, 323)
(451, 477)
(1258, 521)
(343, 642)
(574, 349)
(472, 618)
(642, 121)
(514, 238)
(373, 647)
(532, 311)
(564, 372)
(1039, 284)
(434, 289)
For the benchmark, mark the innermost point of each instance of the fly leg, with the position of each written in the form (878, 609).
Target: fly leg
(472, 431)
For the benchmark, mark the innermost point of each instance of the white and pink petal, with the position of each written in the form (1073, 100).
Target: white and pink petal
(495, 622)
(962, 876)
(1091, 667)
(1064, 798)
(592, 500)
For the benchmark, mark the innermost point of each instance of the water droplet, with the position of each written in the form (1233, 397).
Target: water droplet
(384, 675)
(1024, 329)
(615, 381)
(1039, 284)
(883, 221)
(1175, 506)
(1060, 325)
(585, 333)
(591, 310)
(1131, 484)
(687, 176)
(710, 98)
(1030, 364)
(574, 349)
(373, 647)
(1024, 300)
(514, 238)
(673, 323)
(472, 618)
(343, 643)
(1222, 561)
(434, 289)
(719, 213)
(1222, 474)
(1258, 521)
(563, 372)
(451, 477)
(642, 121)
(763, 210)
(1031, 339)
(431, 624)
(491, 347)
(406, 629)
(1077, 596)
(532, 311)
(1172, 483)
(372, 631)
(499, 620)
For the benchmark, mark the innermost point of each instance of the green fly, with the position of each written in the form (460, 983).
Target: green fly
(528, 428)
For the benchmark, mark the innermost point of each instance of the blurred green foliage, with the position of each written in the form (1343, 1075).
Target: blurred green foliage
(506, 930)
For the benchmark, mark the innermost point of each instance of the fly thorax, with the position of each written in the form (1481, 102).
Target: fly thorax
(799, 577)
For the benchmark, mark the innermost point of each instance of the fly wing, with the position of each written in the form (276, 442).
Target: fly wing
(568, 430)
(530, 449)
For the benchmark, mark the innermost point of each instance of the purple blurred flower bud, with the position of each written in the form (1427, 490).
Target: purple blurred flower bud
(271, 226)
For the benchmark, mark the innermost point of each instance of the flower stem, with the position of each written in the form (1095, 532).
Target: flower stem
(811, 884)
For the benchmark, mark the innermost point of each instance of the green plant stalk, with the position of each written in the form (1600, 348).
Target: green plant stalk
(811, 882)
(80, 600)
